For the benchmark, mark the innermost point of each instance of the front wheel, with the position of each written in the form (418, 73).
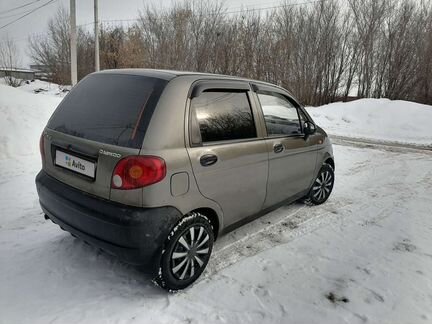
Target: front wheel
(186, 253)
(322, 186)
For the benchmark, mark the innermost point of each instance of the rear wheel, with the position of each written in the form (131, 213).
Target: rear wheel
(186, 253)
(322, 186)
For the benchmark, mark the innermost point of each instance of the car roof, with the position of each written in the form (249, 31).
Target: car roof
(171, 74)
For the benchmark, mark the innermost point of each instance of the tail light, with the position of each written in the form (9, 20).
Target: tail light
(135, 172)
(42, 147)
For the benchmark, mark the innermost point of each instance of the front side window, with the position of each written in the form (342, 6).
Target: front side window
(281, 117)
(223, 116)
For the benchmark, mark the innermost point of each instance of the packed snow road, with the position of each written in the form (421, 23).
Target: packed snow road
(364, 256)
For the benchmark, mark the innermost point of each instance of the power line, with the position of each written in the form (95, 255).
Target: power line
(214, 13)
(276, 7)
(224, 13)
(10, 16)
(39, 35)
(28, 13)
(253, 5)
(19, 7)
(14, 14)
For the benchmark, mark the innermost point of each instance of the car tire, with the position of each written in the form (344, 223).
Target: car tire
(186, 252)
(322, 186)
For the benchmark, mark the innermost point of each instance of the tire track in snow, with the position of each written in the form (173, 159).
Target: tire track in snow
(295, 220)
(382, 145)
(299, 221)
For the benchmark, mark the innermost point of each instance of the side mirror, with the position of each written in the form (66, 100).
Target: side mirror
(309, 128)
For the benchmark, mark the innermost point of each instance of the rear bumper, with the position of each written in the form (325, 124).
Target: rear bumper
(135, 235)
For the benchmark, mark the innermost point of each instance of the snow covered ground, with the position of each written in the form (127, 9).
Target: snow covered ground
(378, 119)
(42, 87)
(23, 116)
(363, 257)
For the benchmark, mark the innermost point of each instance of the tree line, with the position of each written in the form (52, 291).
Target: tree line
(321, 51)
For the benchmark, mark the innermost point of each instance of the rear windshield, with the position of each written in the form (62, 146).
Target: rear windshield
(109, 108)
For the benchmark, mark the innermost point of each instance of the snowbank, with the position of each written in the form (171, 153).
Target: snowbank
(22, 118)
(43, 87)
(377, 119)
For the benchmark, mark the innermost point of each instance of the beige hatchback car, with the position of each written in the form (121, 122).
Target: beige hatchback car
(152, 166)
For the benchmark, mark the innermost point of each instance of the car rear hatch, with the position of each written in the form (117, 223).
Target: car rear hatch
(103, 119)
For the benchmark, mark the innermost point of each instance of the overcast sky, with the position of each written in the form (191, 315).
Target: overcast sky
(36, 23)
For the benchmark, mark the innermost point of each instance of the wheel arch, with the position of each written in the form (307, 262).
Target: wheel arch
(213, 217)
(330, 161)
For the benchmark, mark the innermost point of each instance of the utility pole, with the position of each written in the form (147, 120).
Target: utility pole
(96, 33)
(73, 42)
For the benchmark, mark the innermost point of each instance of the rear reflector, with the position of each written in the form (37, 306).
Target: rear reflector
(42, 147)
(135, 172)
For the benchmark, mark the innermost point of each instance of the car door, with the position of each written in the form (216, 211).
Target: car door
(228, 153)
(292, 155)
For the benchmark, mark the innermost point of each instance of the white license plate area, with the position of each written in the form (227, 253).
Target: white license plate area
(74, 163)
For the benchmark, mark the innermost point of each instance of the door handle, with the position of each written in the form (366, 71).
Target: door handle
(277, 148)
(208, 159)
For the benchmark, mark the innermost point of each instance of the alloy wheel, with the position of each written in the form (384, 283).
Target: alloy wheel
(190, 252)
(322, 186)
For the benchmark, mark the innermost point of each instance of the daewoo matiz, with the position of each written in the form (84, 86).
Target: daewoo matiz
(152, 166)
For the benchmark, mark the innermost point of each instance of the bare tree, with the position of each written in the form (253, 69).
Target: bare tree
(322, 51)
(9, 60)
(53, 51)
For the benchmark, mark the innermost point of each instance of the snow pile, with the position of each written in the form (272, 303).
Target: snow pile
(22, 119)
(43, 87)
(377, 119)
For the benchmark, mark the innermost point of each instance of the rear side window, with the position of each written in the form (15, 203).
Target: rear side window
(109, 108)
(281, 117)
(223, 116)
